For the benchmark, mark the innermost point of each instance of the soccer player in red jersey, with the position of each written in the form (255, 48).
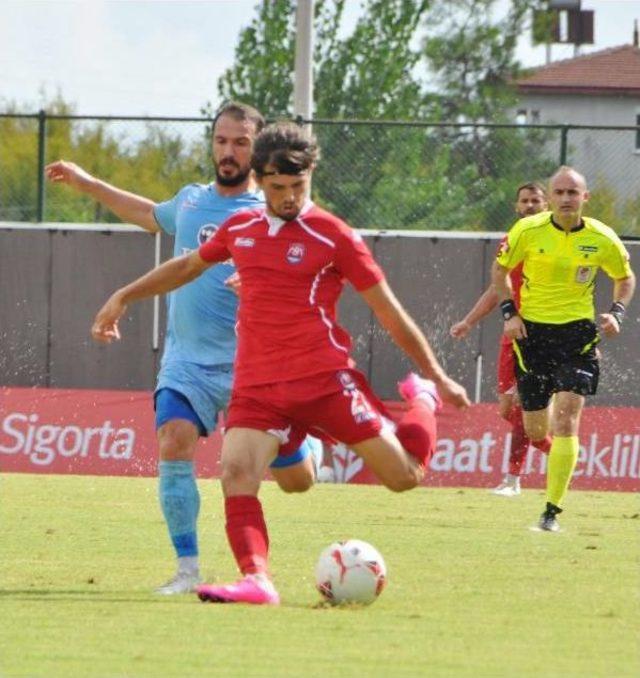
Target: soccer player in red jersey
(293, 372)
(530, 199)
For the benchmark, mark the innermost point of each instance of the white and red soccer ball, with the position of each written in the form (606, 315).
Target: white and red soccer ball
(350, 571)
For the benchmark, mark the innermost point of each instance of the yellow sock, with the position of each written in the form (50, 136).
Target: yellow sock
(562, 460)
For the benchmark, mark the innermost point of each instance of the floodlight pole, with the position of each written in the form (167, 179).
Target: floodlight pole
(303, 83)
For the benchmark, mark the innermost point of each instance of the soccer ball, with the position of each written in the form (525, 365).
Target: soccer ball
(350, 572)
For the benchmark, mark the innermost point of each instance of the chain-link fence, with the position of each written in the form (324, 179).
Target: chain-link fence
(382, 175)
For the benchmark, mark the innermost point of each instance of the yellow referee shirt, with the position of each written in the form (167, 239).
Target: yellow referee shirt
(560, 268)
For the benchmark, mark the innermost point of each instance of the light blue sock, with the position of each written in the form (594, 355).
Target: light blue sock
(180, 502)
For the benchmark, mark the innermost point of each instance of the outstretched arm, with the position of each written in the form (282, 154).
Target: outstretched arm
(169, 276)
(406, 334)
(129, 207)
(487, 301)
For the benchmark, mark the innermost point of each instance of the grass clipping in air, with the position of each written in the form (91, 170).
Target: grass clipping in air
(471, 591)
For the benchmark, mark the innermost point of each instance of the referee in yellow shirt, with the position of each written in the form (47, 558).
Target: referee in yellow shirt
(555, 333)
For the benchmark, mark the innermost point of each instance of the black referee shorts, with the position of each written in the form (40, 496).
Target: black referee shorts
(556, 358)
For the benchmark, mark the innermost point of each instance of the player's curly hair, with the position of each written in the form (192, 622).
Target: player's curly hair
(286, 147)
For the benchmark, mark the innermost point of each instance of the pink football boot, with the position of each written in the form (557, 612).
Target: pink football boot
(253, 589)
(413, 386)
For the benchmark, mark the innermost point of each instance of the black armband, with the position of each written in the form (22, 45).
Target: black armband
(508, 309)
(618, 310)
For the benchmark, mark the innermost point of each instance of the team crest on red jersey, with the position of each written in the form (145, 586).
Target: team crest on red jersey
(346, 380)
(504, 247)
(295, 253)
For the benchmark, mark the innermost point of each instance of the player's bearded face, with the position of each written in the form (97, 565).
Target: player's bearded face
(530, 202)
(285, 194)
(232, 145)
(230, 173)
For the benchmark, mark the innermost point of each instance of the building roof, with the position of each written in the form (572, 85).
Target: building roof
(614, 72)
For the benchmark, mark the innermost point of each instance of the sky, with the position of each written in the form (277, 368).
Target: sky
(134, 57)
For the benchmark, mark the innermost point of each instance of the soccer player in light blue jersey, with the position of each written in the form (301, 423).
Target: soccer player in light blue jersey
(194, 383)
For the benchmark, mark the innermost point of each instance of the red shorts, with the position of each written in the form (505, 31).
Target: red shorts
(337, 405)
(506, 370)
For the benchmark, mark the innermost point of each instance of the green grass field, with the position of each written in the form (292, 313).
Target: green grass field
(472, 592)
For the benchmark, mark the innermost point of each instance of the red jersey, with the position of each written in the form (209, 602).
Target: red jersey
(292, 275)
(515, 275)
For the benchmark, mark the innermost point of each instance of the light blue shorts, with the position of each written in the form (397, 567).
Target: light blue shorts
(207, 389)
(172, 405)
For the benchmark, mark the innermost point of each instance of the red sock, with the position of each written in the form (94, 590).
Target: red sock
(417, 431)
(519, 443)
(515, 416)
(247, 533)
(543, 445)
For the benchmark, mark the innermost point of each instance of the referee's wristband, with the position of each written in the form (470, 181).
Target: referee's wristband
(508, 309)
(618, 310)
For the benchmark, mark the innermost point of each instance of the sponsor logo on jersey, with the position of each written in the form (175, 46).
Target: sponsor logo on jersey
(504, 247)
(361, 409)
(244, 242)
(295, 253)
(205, 232)
(583, 274)
(346, 380)
(588, 248)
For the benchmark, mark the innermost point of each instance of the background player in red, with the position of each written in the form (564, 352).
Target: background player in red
(293, 372)
(530, 199)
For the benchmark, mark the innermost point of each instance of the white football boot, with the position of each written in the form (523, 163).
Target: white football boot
(509, 487)
(183, 582)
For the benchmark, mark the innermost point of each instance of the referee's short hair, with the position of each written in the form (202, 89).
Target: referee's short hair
(567, 169)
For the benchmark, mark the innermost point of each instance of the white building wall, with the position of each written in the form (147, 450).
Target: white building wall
(603, 156)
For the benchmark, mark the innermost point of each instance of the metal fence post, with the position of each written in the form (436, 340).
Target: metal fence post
(42, 140)
(564, 134)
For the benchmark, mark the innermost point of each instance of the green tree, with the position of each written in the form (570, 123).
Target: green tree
(261, 74)
(19, 157)
(471, 55)
(630, 217)
(153, 163)
(409, 60)
(605, 205)
(368, 74)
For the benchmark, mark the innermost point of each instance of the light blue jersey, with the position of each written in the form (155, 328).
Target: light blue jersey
(202, 314)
